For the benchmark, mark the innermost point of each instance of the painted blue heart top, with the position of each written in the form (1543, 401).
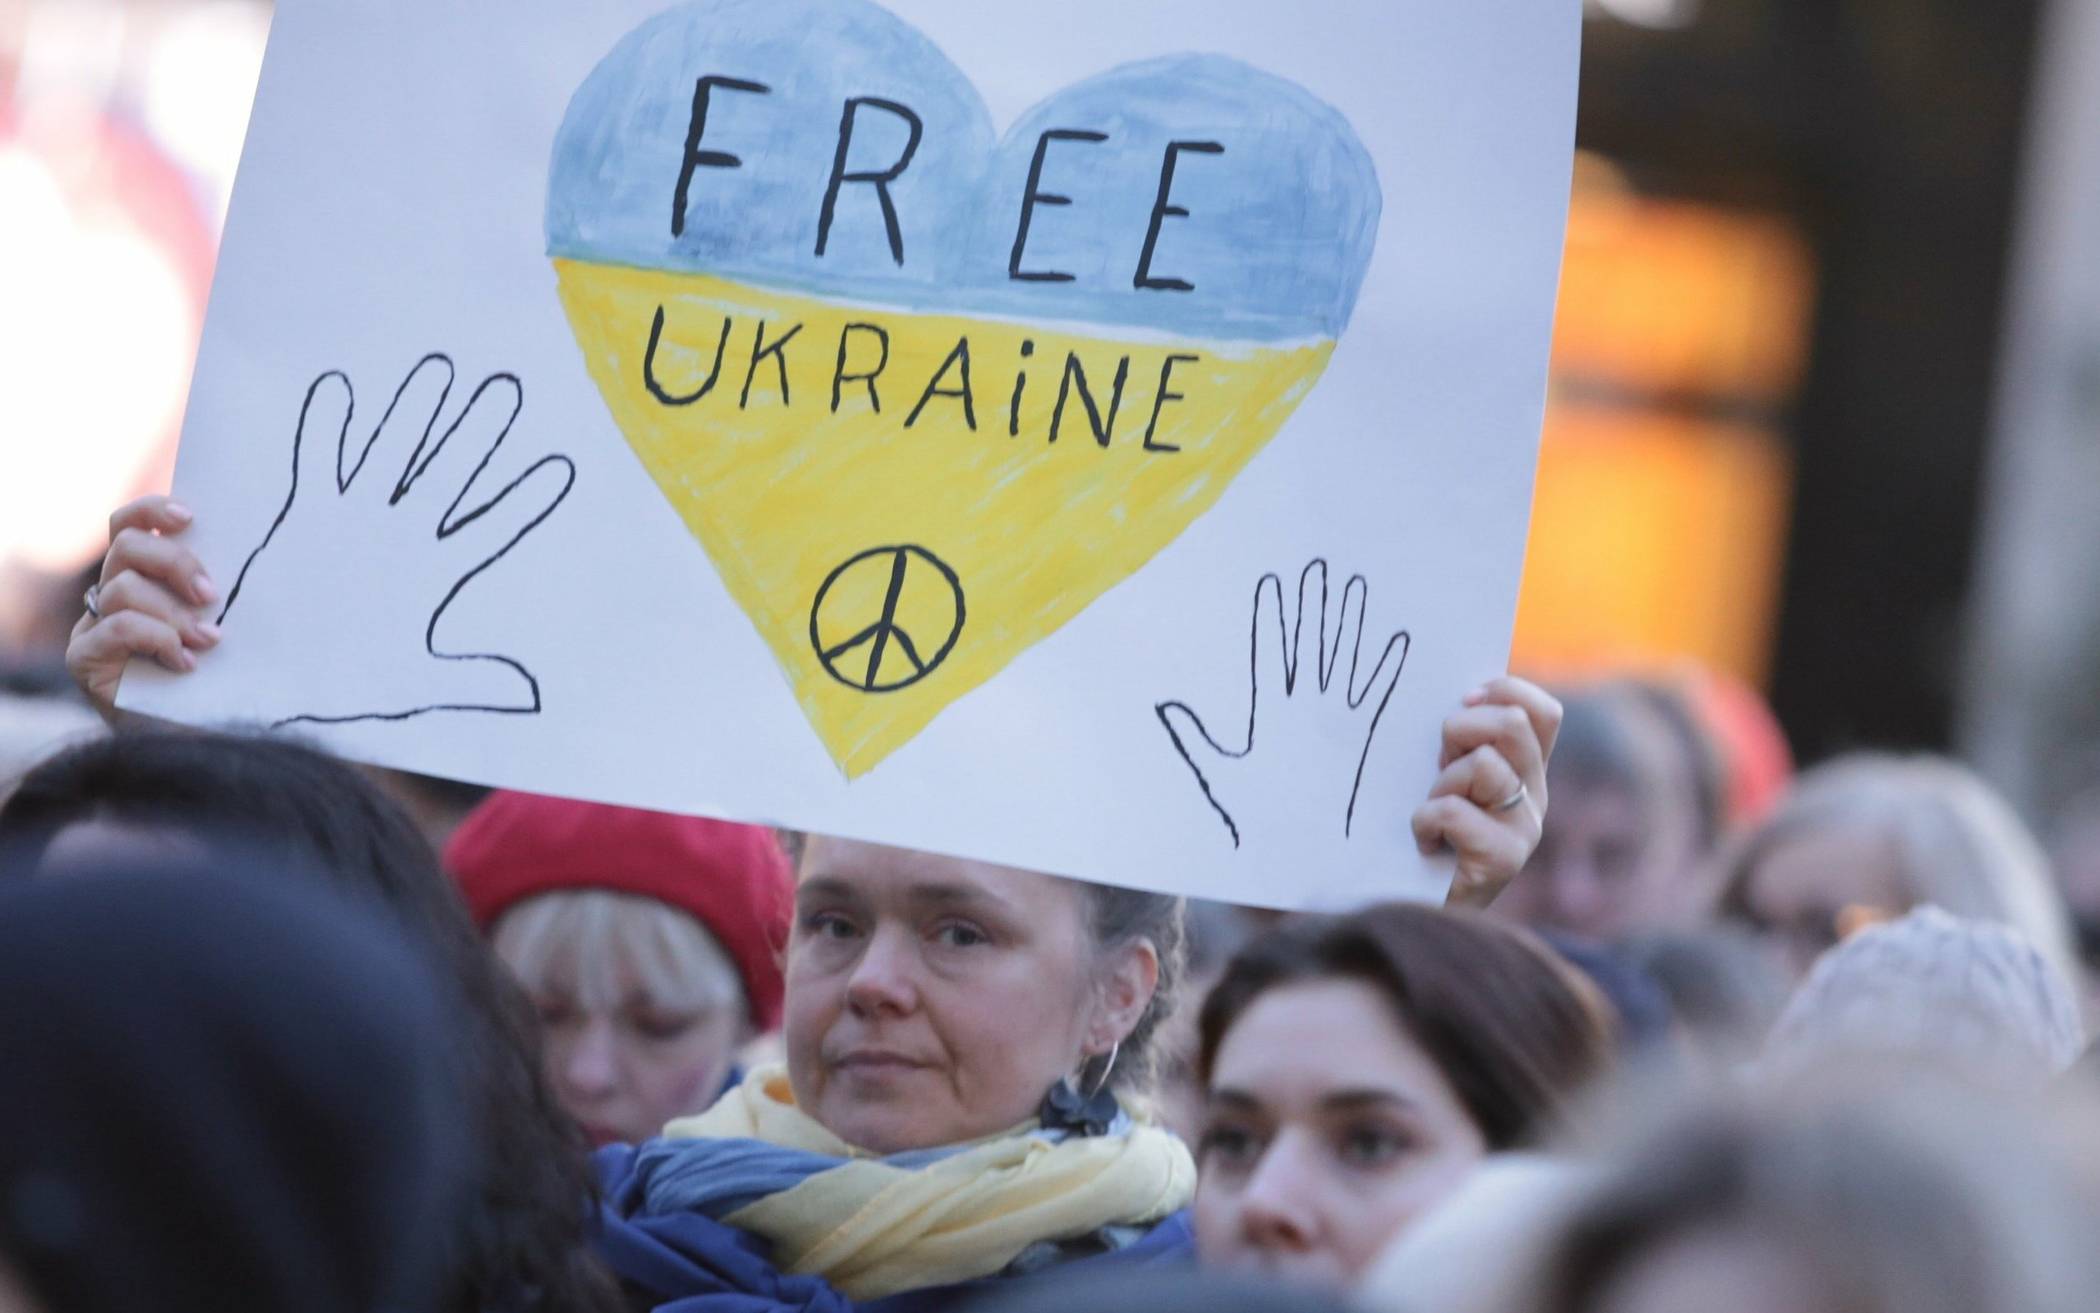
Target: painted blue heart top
(827, 147)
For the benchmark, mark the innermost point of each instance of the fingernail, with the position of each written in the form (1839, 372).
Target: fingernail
(207, 632)
(1476, 696)
(185, 660)
(201, 585)
(178, 511)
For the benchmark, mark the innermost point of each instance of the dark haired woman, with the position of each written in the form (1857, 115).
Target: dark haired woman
(144, 793)
(1359, 1067)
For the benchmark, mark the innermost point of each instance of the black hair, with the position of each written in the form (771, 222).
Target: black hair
(227, 1084)
(273, 795)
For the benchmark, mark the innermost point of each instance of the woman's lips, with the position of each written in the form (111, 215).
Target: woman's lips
(600, 1136)
(876, 1062)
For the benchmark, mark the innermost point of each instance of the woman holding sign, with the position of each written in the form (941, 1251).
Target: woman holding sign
(967, 1044)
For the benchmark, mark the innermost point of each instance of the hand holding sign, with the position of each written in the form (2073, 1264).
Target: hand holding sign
(1267, 798)
(152, 599)
(337, 506)
(1488, 805)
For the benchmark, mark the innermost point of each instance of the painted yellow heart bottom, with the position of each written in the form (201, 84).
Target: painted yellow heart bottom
(787, 465)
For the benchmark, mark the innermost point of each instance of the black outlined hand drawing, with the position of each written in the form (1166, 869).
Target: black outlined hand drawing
(381, 531)
(1261, 783)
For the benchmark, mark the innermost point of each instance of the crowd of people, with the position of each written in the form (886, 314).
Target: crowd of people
(1691, 1032)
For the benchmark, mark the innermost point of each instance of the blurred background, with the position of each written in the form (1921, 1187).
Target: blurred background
(1825, 399)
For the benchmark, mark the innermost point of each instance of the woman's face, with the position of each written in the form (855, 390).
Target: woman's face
(625, 1070)
(932, 1000)
(1328, 1131)
(1600, 870)
(1812, 889)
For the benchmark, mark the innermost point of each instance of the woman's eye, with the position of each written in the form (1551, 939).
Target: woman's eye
(1226, 1146)
(554, 1012)
(662, 1026)
(956, 934)
(828, 925)
(1371, 1146)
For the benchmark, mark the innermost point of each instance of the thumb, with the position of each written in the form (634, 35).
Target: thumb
(482, 683)
(471, 681)
(449, 683)
(1203, 754)
(1191, 738)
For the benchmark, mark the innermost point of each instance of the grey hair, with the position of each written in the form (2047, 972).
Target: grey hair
(1119, 917)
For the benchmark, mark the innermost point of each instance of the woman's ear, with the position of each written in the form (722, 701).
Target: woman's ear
(1130, 978)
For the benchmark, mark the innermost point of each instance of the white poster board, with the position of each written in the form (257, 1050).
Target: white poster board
(892, 420)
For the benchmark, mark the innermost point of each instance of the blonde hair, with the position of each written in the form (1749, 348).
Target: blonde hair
(597, 945)
(1958, 845)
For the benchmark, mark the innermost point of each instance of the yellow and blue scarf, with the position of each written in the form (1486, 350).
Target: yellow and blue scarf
(874, 1226)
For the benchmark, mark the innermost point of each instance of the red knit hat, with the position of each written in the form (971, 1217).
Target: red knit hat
(733, 879)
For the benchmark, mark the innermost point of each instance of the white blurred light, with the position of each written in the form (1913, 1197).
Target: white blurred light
(200, 86)
(1650, 13)
(71, 52)
(107, 322)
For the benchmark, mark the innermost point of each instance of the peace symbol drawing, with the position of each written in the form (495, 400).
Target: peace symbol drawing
(881, 656)
(878, 357)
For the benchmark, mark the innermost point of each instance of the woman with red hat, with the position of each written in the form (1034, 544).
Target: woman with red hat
(650, 944)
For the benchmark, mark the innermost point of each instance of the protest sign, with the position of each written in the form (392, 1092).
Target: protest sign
(1095, 438)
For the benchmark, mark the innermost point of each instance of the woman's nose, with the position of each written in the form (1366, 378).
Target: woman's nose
(1278, 1209)
(592, 1064)
(1576, 890)
(882, 980)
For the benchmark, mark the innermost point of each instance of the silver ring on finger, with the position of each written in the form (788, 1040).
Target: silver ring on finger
(1513, 801)
(92, 600)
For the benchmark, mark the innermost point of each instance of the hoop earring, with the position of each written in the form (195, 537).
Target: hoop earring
(1101, 1084)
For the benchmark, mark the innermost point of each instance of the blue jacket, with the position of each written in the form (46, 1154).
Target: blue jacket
(690, 1263)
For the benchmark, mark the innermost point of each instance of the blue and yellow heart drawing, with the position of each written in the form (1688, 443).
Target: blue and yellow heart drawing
(924, 393)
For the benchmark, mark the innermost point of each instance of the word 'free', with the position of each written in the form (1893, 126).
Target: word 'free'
(700, 156)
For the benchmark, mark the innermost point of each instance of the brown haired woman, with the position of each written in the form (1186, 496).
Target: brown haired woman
(1359, 1067)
